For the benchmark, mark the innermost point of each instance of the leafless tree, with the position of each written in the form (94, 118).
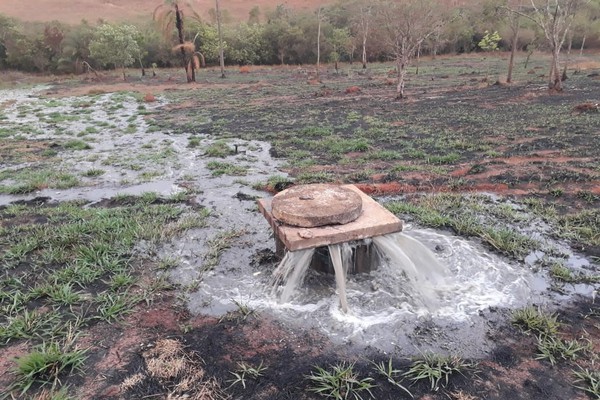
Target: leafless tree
(320, 17)
(408, 24)
(221, 56)
(362, 22)
(554, 17)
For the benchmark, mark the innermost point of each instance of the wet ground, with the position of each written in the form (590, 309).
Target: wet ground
(221, 145)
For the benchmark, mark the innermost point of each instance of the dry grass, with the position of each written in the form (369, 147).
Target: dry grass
(585, 65)
(460, 395)
(179, 372)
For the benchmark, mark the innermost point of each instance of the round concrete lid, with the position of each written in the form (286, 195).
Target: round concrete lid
(315, 205)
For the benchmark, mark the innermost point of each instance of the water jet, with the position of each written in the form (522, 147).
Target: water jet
(331, 229)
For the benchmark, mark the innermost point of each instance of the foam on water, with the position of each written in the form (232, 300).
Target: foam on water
(290, 273)
(430, 276)
(458, 282)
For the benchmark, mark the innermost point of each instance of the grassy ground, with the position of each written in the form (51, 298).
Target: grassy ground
(87, 310)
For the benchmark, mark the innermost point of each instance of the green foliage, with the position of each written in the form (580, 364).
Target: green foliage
(46, 364)
(115, 45)
(490, 41)
(220, 148)
(245, 371)
(77, 145)
(391, 374)
(246, 44)
(340, 382)
(222, 168)
(437, 369)
(553, 348)
(534, 320)
(588, 380)
(206, 40)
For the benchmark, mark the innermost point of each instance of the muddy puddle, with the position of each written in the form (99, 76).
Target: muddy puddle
(132, 158)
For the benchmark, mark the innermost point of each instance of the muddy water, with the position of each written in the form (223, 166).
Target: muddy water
(133, 158)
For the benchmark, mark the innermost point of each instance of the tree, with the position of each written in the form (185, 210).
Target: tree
(76, 46)
(364, 19)
(554, 18)
(220, 33)
(207, 41)
(514, 22)
(169, 15)
(283, 35)
(340, 41)
(115, 45)
(254, 15)
(408, 24)
(8, 31)
(320, 17)
(246, 44)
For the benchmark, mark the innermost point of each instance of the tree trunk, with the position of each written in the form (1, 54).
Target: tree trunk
(221, 56)
(582, 44)
(513, 50)
(555, 82)
(142, 67)
(179, 26)
(364, 45)
(123, 70)
(319, 47)
(418, 58)
(401, 66)
(529, 53)
(564, 76)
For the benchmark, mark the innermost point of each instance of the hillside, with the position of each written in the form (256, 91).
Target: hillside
(73, 11)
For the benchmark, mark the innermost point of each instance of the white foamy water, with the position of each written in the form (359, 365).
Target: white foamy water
(340, 266)
(290, 273)
(411, 282)
(424, 277)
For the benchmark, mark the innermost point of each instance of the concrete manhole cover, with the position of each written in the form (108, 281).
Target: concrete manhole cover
(315, 205)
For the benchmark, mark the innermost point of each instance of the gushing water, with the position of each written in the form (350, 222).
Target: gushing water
(413, 273)
(400, 253)
(340, 266)
(387, 307)
(407, 256)
(291, 273)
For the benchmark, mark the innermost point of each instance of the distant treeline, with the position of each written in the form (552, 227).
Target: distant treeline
(280, 36)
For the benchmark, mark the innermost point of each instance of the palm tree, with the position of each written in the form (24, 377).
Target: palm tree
(165, 15)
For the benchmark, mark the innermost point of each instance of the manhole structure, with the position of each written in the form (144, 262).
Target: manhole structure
(319, 215)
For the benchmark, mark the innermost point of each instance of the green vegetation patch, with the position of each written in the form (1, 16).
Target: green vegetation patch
(27, 180)
(222, 168)
(67, 266)
(76, 145)
(220, 148)
(469, 216)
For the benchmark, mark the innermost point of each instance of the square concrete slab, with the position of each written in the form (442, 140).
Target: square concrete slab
(374, 220)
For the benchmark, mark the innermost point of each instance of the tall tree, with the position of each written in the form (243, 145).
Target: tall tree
(365, 20)
(320, 17)
(169, 15)
(220, 32)
(408, 23)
